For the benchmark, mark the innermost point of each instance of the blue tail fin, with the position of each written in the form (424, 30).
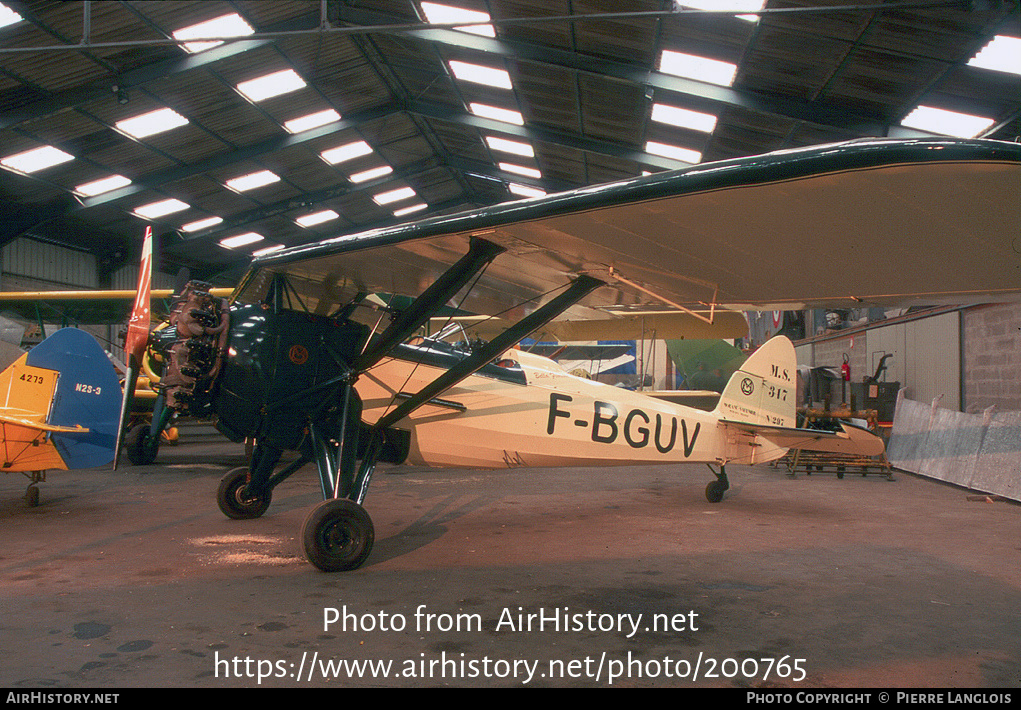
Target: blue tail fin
(88, 393)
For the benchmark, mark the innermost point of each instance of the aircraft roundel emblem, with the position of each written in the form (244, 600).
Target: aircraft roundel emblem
(746, 386)
(298, 354)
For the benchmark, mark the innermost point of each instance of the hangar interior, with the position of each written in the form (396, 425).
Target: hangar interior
(237, 127)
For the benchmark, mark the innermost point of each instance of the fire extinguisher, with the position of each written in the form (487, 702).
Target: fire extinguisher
(845, 369)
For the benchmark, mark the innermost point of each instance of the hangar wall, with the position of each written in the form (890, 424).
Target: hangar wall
(31, 265)
(968, 357)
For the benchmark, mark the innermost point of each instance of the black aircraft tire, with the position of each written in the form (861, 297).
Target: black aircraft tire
(233, 504)
(714, 491)
(338, 535)
(139, 453)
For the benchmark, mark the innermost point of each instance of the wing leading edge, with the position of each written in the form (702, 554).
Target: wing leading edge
(839, 226)
(846, 225)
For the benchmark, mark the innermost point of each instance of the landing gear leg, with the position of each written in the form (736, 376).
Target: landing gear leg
(338, 534)
(715, 490)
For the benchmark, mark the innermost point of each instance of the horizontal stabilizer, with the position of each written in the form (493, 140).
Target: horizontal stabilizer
(850, 440)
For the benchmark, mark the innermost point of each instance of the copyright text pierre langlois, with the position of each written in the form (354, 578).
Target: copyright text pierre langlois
(879, 697)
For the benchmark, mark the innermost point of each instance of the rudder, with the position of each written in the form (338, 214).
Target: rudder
(763, 390)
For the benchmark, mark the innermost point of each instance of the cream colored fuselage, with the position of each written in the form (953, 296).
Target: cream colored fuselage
(551, 418)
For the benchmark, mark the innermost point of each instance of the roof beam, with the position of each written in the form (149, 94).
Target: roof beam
(700, 94)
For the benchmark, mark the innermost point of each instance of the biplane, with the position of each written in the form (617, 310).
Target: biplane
(59, 410)
(308, 355)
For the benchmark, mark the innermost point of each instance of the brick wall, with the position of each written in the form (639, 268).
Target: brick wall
(992, 357)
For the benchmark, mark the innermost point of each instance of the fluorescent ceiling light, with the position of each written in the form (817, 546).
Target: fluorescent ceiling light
(481, 75)
(683, 118)
(446, 15)
(346, 152)
(1003, 53)
(201, 224)
(401, 193)
(410, 209)
(520, 170)
(371, 174)
(268, 250)
(947, 123)
(672, 151)
(525, 190)
(155, 210)
(312, 120)
(497, 114)
(252, 180)
(8, 16)
(241, 240)
(37, 159)
(226, 26)
(691, 66)
(307, 220)
(270, 85)
(149, 124)
(98, 187)
(506, 146)
(727, 6)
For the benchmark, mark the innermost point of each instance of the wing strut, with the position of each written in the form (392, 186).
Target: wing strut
(578, 289)
(480, 254)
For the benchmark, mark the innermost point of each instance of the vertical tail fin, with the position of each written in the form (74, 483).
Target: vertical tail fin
(137, 339)
(763, 391)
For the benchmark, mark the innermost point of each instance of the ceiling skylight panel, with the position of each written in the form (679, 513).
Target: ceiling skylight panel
(371, 174)
(525, 190)
(1003, 53)
(270, 85)
(309, 220)
(345, 152)
(32, 161)
(241, 240)
(497, 114)
(479, 74)
(252, 180)
(691, 66)
(410, 209)
(98, 187)
(507, 146)
(8, 16)
(447, 15)
(201, 224)
(155, 210)
(312, 120)
(151, 123)
(385, 198)
(225, 26)
(520, 170)
(947, 123)
(683, 118)
(726, 6)
(685, 155)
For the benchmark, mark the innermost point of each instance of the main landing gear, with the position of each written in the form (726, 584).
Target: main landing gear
(715, 490)
(338, 534)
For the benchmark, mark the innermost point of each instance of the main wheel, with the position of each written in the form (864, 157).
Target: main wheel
(338, 535)
(140, 452)
(714, 491)
(233, 503)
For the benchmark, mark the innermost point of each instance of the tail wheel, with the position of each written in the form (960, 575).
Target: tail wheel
(338, 535)
(232, 500)
(714, 491)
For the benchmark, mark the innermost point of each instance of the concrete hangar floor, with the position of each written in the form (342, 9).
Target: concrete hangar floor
(544, 578)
